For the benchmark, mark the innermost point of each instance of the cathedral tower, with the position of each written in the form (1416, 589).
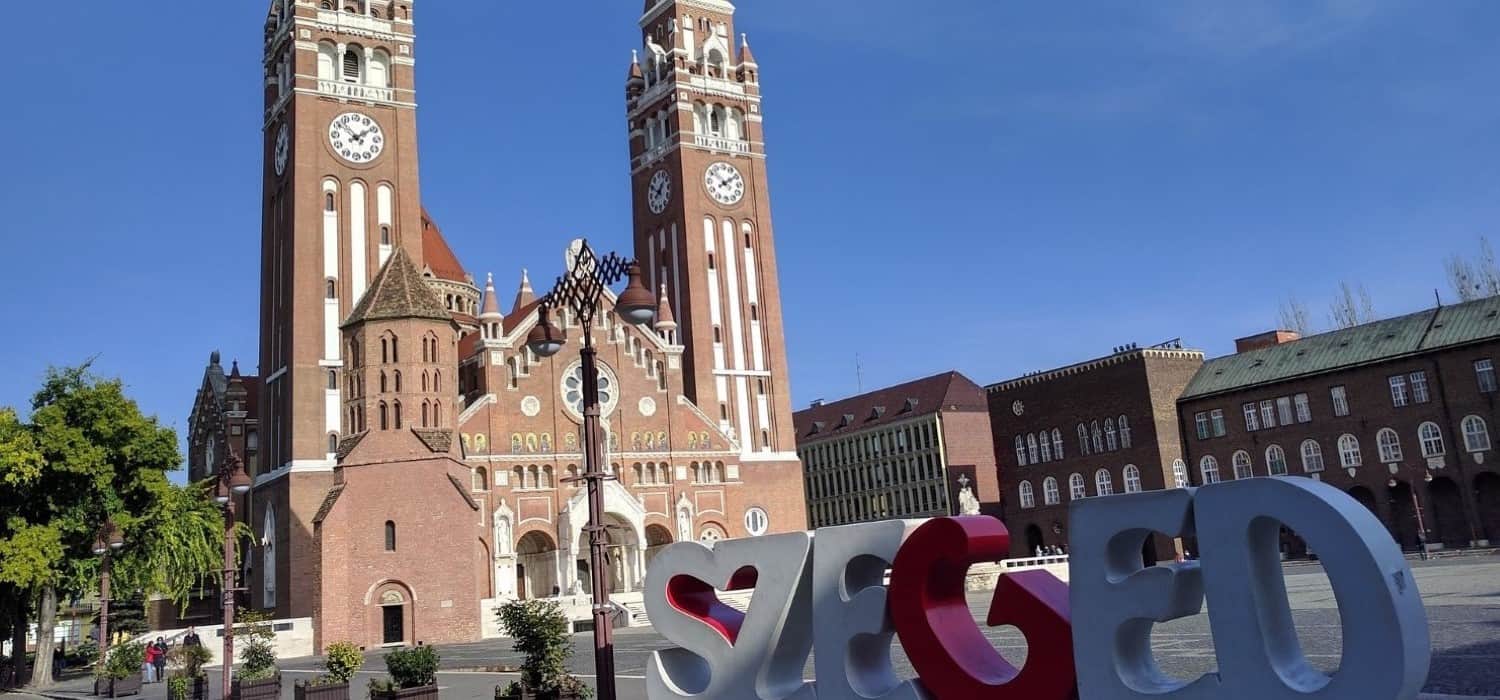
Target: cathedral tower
(340, 196)
(703, 216)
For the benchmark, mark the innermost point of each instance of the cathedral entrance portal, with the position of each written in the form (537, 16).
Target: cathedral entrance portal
(536, 566)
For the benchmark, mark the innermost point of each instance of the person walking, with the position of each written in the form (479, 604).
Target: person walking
(161, 659)
(148, 667)
(191, 639)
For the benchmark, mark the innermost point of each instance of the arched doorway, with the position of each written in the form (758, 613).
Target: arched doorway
(1446, 516)
(391, 620)
(1403, 524)
(657, 536)
(1487, 499)
(1033, 540)
(622, 555)
(1366, 497)
(536, 565)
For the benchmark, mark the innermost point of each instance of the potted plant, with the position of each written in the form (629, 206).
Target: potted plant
(540, 631)
(413, 676)
(258, 678)
(187, 664)
(342, 660)
(121, 673)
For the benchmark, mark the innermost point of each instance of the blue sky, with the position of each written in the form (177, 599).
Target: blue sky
(992, 187)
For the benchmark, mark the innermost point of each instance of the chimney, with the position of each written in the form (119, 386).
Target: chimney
(1265, 340)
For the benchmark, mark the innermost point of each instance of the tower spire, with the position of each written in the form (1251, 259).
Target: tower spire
(666, 323)
(524, 295)
(490, 318)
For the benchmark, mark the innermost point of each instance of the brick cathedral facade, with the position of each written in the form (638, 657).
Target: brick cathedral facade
(411, 456)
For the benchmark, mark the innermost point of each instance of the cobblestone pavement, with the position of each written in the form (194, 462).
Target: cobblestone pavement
(1463, 609)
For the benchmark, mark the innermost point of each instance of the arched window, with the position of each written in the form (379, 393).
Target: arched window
(1476, 434)
(384, 417)
(1431, 437)
(1098, 436)
(481, 479)
(1110, 438)
(437, 414)
(1104, 484)
(1349, 455)
(1031, 448)
(390, 536)
(512, 373)
(1208, 467)
(333, 443)
(1132, 479)
(1275, 461)
(327, 61)
(396, 354)
(1388, 443)
(1020, 450)
(268, 557)
(384, 386)
(1076, 487)
(353, 57)
(1083, 439)
(1312, 456)
(1179, 474)
(385, 234)
(397, 407)
(385, 350)
(1124, 427)
(1057, 450)
(397, 374)
(328, 202)
(1243, 468)
(1050, 495)
(424, 413)
(333, 380)
(1046, 446)
(380, 68)
(1028, 499)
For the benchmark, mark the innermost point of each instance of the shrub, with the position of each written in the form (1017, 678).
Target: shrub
(84, 654)
(413, 668)
(343, 661)
(540, 631)
(124, 661)
(177, 688)
(259, 657)
(188, 661)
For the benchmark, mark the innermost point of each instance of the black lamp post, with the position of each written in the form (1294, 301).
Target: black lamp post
(580, 290)
(233, 484)
(106, 543)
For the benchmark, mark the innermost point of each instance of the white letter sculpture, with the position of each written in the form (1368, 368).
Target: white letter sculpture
(724, 654)
(1386, 645)
(853, 659)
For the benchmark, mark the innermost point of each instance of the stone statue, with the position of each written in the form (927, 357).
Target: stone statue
(967, 503)
(684, 520)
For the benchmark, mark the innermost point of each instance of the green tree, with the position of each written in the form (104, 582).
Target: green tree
(88, 457)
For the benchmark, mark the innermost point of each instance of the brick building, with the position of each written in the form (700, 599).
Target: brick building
(412, 452)
(1397, 413)
(914, 450)
(1108, 425)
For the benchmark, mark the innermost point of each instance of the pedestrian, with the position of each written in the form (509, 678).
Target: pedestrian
(192, 639)
(161, 659)
(148, 666)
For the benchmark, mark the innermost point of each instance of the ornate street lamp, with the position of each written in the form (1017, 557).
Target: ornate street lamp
(580, 290)
(106, 543)
(233, 484)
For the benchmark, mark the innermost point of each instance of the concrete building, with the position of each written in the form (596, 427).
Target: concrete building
(913, 450)
(1397, 412)
(1105, 426)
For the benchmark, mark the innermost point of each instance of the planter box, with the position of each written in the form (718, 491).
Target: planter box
(529, 695)
(302, 691)
(428, 692)
(268, 689)
(118, 687)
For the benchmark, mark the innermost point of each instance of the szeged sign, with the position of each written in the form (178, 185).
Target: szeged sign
(825, 592)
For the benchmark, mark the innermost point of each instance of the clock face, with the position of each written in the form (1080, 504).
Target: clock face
(660, 191)
(283, 149)
(724, 183)
(1018, 408)
(356, 137)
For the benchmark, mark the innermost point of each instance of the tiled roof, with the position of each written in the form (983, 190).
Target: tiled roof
(328, 500)
(942, 392)
(436, 439)
(436, 253)
(1380, 341)
(459, 486)
(398, 291)
(348, 444)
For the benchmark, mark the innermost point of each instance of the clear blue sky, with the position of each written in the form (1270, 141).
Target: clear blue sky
(992, 187)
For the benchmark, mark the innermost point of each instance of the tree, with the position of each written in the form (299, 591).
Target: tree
(1294, 316)
(1477, 278)
(1352, 307)
(88, 457)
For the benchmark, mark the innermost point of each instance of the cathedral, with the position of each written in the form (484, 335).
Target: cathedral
(412, 459)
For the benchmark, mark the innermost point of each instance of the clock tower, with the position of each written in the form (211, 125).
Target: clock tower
(703, 216)
(340, 197)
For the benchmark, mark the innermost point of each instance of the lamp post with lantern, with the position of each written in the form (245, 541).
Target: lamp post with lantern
(1417, 509)
(106, 543)
(580, 290)
(233, 484)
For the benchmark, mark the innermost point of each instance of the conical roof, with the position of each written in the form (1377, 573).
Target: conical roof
(524, 295)
(746, 57)
(664, 318)
(491, 307)
(398, 291)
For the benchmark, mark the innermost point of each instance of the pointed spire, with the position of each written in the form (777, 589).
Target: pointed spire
(524, 295)
(746, 57)
(234, 372)
(664, 318)
(635, 66)
(491, 308)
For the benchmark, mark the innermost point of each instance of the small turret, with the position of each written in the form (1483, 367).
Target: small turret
(490, 319)
(746, 58)
(524, 295)
(666, 323)
(635, 80)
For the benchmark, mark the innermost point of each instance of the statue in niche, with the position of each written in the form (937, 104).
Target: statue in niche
(967, 503)
(692, 441)
(661, 441)
(547, 443)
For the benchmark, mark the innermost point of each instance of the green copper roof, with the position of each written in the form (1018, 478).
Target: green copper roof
(1379, 341)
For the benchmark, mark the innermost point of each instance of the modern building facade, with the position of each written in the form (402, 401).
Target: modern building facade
(1105, 426)
(1398, 413)
(914, 450)
(413, 456)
